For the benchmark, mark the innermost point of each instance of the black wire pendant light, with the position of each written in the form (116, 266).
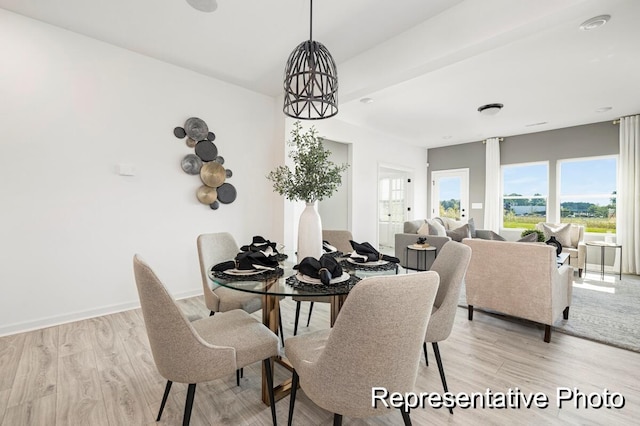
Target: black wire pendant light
(310, 80)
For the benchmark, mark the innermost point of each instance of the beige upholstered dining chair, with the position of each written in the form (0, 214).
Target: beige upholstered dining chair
(451, 265)
(341, 240)
(213, 249)
(337, 368)
(203, 350)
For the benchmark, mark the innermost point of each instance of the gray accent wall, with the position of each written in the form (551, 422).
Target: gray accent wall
(589, 140)
(466, 156)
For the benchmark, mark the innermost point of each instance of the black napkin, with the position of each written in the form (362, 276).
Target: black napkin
(325, 268)
(369, 254)
(328, 248)
(259, 244)
(246, 261)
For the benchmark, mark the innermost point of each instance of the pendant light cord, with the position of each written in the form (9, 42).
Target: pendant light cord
(311, 20)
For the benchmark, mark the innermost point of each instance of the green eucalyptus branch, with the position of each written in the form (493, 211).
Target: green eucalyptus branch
(314, 176)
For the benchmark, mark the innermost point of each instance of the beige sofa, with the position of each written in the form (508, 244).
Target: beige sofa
(518, 279)
(577, 251)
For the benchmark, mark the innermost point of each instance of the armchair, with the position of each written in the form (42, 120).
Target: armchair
(577, 251)
(518, 279)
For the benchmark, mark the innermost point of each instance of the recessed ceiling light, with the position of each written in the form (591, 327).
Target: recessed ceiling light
(203, 5)
(595, 22)
(446, 137)
(490, 109)
(604, 109)
(366, 100)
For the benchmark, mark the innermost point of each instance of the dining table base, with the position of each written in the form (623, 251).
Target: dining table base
(270, 318)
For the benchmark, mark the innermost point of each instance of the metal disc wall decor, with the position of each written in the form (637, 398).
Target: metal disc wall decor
(206, 194)
(207, 163)
(212, 174)
(191, 164)
(226, 193)
(196, 129)
(206, 150)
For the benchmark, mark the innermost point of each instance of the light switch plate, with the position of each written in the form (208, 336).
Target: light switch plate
(476, 205)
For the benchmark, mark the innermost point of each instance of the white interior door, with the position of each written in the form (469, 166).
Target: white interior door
(392, 204)
(450, 194)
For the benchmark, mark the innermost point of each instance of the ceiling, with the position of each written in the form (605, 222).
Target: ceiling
(428, 65)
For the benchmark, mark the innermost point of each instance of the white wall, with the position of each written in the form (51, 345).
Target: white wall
(369, 150)
(71, 109)
(334, 211)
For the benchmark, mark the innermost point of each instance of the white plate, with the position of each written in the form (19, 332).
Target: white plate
(374, 263)
(241, 272)
(308, 280)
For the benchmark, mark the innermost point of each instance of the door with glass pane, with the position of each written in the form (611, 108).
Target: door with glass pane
(391, 204)
(450, 194)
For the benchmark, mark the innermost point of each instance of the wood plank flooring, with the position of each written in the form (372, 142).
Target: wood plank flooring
(100, 372)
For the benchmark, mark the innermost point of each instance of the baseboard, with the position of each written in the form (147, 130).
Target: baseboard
(51, 321)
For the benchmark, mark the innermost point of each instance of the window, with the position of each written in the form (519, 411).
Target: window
(587, 193)
(525, 188)
(391, 199)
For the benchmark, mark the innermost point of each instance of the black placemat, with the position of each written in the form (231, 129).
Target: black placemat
(339, 288)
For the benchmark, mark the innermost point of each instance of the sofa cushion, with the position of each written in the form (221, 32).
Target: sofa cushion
(412, 226)
(561, 232)
(459, 233)
(485, 234)
(472, 227)
(529, 238)
(424, 229)
(436, 228)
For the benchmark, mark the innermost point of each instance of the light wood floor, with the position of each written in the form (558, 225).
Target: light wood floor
(100, 372)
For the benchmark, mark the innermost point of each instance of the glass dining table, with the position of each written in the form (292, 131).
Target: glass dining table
(284, 282)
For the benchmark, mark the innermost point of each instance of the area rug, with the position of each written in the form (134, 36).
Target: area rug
(603, 310)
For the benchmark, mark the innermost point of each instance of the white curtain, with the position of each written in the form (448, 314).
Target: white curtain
(628, 207)
(492, 206)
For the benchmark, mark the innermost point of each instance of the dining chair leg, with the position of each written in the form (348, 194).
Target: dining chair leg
(211, 313)
(436, 351)
(272, 399)
(167, 388)
(295, 324)
(424, 349)
(238, 377)
(337, 419)
(405, 416)
(280, 326)
(310, 310)
(292, 395)
(189, 404)
(470, 314)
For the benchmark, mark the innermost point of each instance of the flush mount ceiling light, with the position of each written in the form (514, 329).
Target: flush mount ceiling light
(595, 22)
(604, 109)
(366, 100)
(310, 80)
(490, 109)
(203, 5)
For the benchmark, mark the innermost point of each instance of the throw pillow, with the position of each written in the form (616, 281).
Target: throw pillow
(459, 234)
(489, 235)
(436, 228)
(424, 229)
(530, 238)
(412, 226)
(561, 232)
(472, 227)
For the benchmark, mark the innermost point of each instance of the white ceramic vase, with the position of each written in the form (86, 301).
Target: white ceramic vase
(309, 233)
